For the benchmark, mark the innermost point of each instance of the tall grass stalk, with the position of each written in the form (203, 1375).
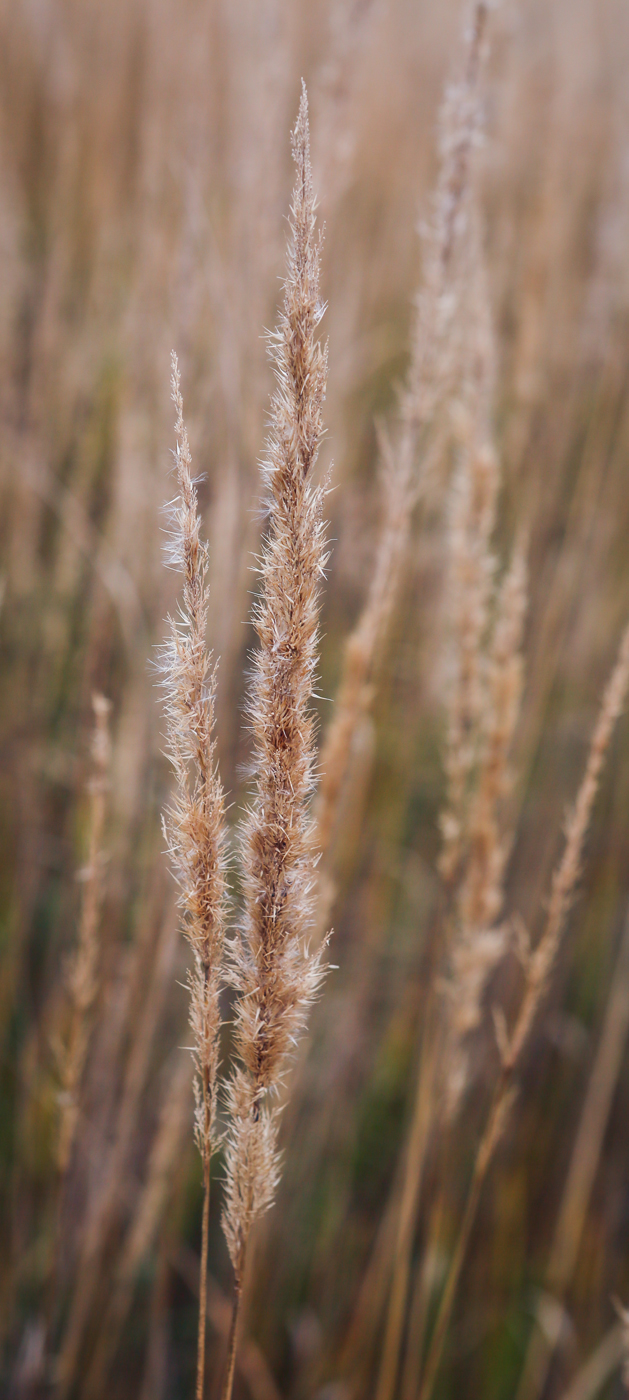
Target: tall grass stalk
(403, 465)
(539, 965)
(194, 822)
(273, 969)
(584, 1161)
(436, 372)
(600, 1365)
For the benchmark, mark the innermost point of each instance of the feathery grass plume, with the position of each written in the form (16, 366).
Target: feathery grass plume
(432, 348)
(538, 966)
(471, 565)
(434, 364)
(481, 893)
(451, 347)
(194, 822)
(273, 969)
(480, 942)
(83, 982)
(474, 494)
(473, 498)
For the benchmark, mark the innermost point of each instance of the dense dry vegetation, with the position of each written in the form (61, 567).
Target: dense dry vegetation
(439, 772)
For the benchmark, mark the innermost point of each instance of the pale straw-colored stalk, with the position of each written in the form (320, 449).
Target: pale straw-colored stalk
(273, 969)
(581, 1173)
(194, 821)
(83, 981)
(251, 1363)
(194, 829)
(600, 1365)
(539, 965)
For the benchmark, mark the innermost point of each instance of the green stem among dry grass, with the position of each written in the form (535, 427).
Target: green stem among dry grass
(274, 971)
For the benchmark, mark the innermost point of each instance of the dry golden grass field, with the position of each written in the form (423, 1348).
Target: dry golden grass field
(314, 857)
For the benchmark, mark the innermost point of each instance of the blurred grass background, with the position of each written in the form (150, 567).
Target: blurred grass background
(144, 180)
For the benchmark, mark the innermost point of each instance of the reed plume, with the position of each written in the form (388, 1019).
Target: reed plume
(194, 822)
(435, 349)
(480, 941)
(471, 564)
(273, 969)
(482, 709)
(481, 894)
(404, 458)
(475, 488)
(83, 981)
(451, 358)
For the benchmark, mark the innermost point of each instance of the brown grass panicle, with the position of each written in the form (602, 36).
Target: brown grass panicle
(273, 969)
(194, 821)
